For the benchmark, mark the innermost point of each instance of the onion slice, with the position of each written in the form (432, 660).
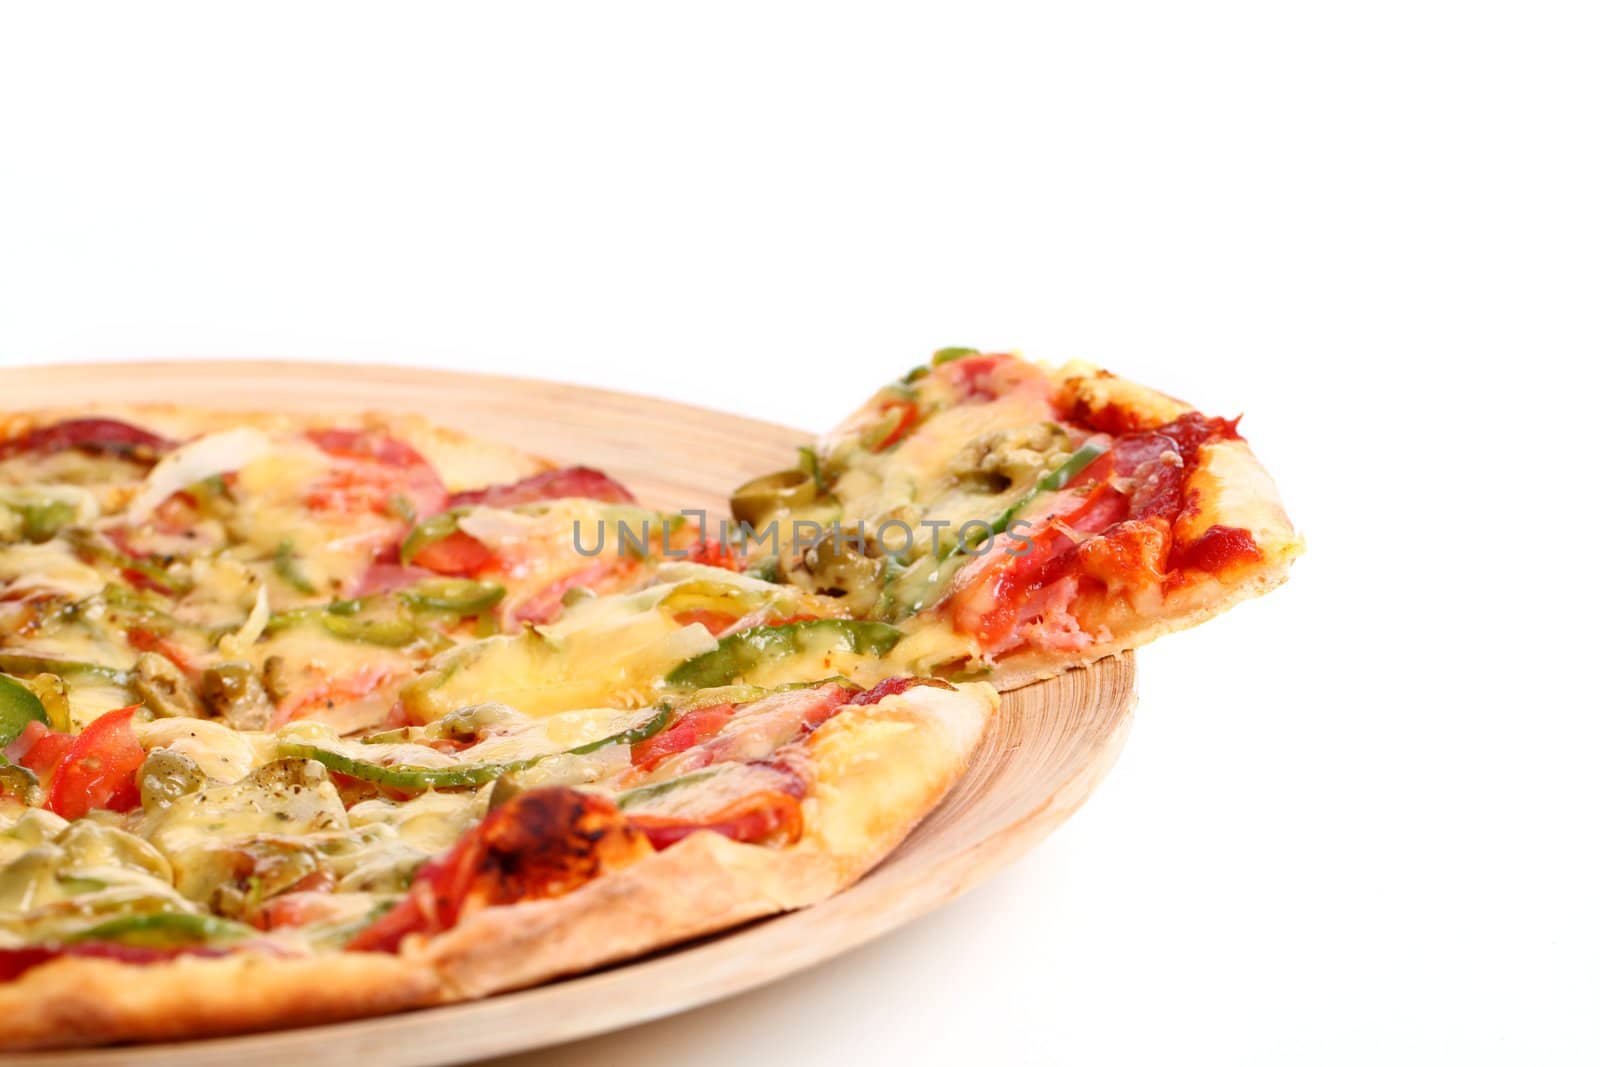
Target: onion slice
(205, 457)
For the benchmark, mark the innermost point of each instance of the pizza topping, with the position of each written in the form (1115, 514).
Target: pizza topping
(98, 769)
(688, 731)
(19, 706)
(996, 593)
(92, 435)
(160, 679)
(39, 749)
(1060, 476)
(288, 566)
(353, 700)
(164, 930)
(741, 655)
(767, 815)
(548, 485)
(758, 499)
(898, 417)
(545, 604)
(387, 578)
(454, 596)
(375, 473)
(400, 767)
(234, 693)
(206, 457)
(1214, 551)
(39, 513)
(438, 544)
(29, 664)
(141, 572)
(894, 687)
(540, 844)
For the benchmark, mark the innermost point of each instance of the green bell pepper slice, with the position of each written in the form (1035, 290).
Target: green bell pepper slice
(343, 619)
(740, 652)
(919, 585)
(97, 547)
(454, 596)
(287, 566)
(630, 797)
(43, 519)
(433, 528)
(1073, 466)
(165, 929)
(412, 779)
(26, 665)
(384, 632)
(18, 707)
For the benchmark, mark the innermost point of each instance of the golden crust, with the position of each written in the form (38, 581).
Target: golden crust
(81, 1001)
(1230, 487)
(877, 771)
(1087, 391)
(461, 460)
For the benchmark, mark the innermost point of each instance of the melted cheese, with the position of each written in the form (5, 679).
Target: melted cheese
(222, 753)
(614, 657)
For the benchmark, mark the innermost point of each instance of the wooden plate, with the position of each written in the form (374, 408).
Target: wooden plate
(1048, 749)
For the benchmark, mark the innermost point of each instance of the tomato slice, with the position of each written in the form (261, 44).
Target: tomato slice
(99, 770)
(458, 555)
(146, 640)
(713, 552)
(715, 621)
(899, 416)
(996, 599)
(1100, 508)
(971, 376)
(40, 749)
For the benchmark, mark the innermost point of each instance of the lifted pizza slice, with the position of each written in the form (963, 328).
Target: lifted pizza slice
(1012, 519)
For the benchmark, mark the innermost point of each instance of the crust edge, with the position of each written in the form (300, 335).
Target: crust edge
(860, 808)
(78, 1001)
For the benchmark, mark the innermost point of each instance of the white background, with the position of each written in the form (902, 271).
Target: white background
(1356, 820)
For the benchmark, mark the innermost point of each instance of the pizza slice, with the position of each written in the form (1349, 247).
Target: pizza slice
(292, 877)
(1011, 519)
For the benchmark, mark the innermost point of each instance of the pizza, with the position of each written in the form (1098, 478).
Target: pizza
(1013, 519)
(308, 719)
(313, 718)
